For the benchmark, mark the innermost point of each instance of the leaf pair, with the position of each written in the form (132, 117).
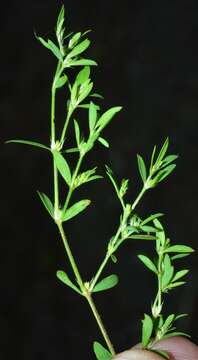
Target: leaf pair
(71, 212)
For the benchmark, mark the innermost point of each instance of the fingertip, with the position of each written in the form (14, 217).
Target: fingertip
(137, 354)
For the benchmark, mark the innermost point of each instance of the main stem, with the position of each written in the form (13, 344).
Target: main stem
(85, 291)
(74, 266)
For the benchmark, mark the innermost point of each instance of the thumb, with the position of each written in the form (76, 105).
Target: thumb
(178, 348)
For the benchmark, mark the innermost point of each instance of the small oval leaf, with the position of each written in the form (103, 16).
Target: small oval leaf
(75, 209)
(47, 203)
(148, 263)
(106, 283)
(147, 329)
(62, 276)
(62, 166)
(180, 249)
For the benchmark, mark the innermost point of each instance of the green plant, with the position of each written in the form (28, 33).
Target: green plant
(68, 51)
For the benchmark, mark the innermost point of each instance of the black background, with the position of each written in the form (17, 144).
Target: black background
(148, 60)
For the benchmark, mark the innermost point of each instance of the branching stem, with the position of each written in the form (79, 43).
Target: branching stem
(85, 292)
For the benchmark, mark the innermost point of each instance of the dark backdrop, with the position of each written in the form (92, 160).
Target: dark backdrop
(147, 52)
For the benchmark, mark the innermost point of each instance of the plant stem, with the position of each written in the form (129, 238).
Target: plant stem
(84, 290)
(100, 324)
(65, 126)
(53, 130)
(160, 281)
(56, 188)
(71, 189)
(70, 256)
(142, 192)
(107, 257)
(100, 270)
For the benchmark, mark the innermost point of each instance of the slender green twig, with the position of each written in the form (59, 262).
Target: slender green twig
(74, 266)
(84, 290)
(69, 114)
(71, 188)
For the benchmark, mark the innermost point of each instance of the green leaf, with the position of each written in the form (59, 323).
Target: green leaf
(92, 116)
(103, 142)
(163, 174)
(180, 316)
(107, 117)
(86, 176)
(60, 19)
(107, 283)
(62, 276)
(163, 151)
(148, 263)
(168, 322)
(31, 143)
(148, 229)
(114, 258)
(75, 209)
(63, 167)
(176, 284)
(55, 50)
(73, 41)
(152, 158)
(167, 273)
(151, 218)
(180, 274)
(99, 96)
(71, 150)
(86, 106)
(142, 168)
(169, 159)
(179, 256)
(78, 49)
(124, 187)
(47, 203)
(180, 249)
(175, 333)
(160, 234)
(51, 46)
(83, 62)
(86, 91)
(101, 353)
(83, 75)
(77, 132)
(43, 42)
(60, 82)
(142, 237)
(147, 329)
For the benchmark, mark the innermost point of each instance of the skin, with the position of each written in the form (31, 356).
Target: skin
(178, 348)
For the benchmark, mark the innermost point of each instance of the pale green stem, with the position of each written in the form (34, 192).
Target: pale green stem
(56, 188)
(137, 200)
(107, 257)
(69, 114)
(70, 256)
(53, 130)
(71, 189)
(117, 244)
(100, 324)
(100, 270)
(84, 290)
(160, 281)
